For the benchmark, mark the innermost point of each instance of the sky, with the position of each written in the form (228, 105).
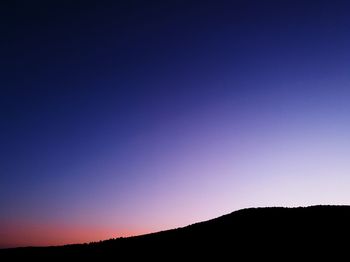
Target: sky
(121, 118)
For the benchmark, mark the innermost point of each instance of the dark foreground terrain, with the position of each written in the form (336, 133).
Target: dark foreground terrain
(252, 233)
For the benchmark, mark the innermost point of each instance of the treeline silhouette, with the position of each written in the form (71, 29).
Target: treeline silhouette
(262, 232)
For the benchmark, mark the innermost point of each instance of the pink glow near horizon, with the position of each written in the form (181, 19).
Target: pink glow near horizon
(36, 234)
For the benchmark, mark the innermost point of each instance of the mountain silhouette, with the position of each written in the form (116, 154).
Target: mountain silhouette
(262, 232)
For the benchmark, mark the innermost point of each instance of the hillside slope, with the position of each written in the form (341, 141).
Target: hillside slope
(248, 232)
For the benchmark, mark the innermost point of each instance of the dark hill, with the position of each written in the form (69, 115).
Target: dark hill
(265, 232)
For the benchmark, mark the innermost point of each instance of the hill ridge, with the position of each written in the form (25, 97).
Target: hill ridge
(240, 231)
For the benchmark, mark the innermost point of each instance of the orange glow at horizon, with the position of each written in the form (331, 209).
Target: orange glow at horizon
(35, 234)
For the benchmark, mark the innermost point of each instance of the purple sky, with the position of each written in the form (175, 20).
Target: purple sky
(127, 118)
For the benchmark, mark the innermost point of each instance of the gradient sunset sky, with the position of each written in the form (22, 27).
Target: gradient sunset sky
(126, 117)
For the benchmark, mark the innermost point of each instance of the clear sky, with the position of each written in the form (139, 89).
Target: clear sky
(126, 117)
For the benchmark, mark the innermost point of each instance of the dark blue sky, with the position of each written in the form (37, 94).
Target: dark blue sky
(126, 108)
